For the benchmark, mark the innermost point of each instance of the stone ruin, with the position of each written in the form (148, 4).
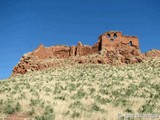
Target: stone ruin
(109, 41)
(117, 49)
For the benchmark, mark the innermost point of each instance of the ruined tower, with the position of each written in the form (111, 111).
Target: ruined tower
(111, 39)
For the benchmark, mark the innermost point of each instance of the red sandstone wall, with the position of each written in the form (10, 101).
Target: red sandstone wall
(63, 51)
(40, 52)
(133, 39)
(111, 40)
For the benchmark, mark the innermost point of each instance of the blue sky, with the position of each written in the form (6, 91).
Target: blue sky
(24, 24)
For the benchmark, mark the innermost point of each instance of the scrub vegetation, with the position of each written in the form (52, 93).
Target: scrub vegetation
(83, 92)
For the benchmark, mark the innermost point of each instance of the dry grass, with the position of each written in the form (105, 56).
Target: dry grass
(83, 92)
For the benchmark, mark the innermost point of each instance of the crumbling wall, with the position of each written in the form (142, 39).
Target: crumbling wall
(63, 51)
(85, 49)
(110, 40)
(48, 52)
(131, 40)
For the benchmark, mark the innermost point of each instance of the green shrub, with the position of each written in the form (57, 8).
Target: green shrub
(48, 89)
(95, 107)
(129, 110)
(45, 117)
(101, 100)
(92, 90)
(9, 109)
(72, 87)
(18, 107)
(57, 89)
(34, 102)
(32, 111)
(129, 92)
(120, 102)
(104, 91)
(1, 102)
(76, 105)
(147, 108)
(48, 114)
(75, 114)
(60, 97)
(80, 94)
(48, 110)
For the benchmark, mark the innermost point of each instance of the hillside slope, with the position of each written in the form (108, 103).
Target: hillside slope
(82, 92)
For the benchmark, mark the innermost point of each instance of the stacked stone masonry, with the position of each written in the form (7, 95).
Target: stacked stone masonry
(109, 41)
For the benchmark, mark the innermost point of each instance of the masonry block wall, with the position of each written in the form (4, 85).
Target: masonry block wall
(110, 40)
(64, 51)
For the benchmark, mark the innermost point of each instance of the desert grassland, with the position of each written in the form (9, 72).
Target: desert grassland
(83, 92)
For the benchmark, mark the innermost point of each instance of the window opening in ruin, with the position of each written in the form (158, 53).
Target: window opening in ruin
(100, 45)
(130, 43)
(108, 35)
(115, 35)
(111, 40)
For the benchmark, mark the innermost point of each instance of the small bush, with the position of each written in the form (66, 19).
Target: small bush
(48, 110)
(80, 94)
(76, 105)
(34, 102)
(18, 107)
(129, 110)
(75, 114)
(48, 114)
(32, 111)
(45, 117)
(120, 102)
(57, 89)
(92, 90)
(95, 107)
(147, 108)
(1, 102)
(9, 109)
(101, 100)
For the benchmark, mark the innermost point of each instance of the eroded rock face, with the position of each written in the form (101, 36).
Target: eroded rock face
(31, 63)
(153, 53)
(112, 48)
(124, 54)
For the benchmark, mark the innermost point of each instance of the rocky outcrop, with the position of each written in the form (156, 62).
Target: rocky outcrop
(30, 63)
(153, 53)
(124, 54)
(112, 48)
